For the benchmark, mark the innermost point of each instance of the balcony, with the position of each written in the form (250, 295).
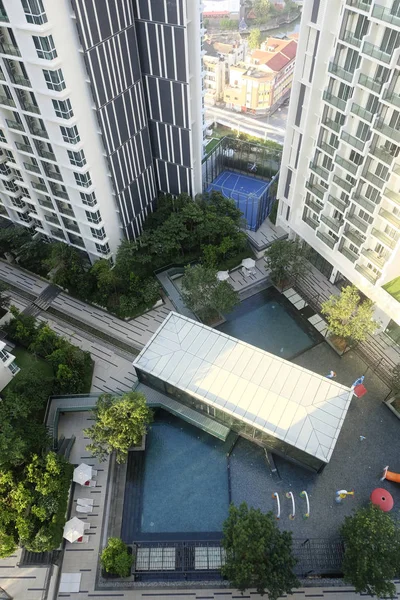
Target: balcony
(354, 237)
(324, 173)
(40, 187)
(367, 273)
(71, 227)
(384, 14)
(15, 125)
(38, 132)
(347, 164)
(311, 222)
(349, 254)
(389, 217)
(59, 193)
(47, 155)
(382, 154)
(333, 224)
(334, 100)
(53, 175)
(378, 259)
(332, 124)
(353, 141)
(364, 5)
(339, 204)
(53, 220)
(348, 187)
(364, 202)
(374, 51)
(326, 239)
(357, 222)
(9, 50)
(65, 210)
(316, 189)
(58, 234)
(392, 98)
(350, 38)
(24, 147)
(46, 204)
(327, 148)
(374, 179)
(371, 84)
(361, 112)
(384, 238)
(7, 101)
(390, 132)
(32, 168)
(337, 70)
(313, 205)
(30, 107)
(393, 196)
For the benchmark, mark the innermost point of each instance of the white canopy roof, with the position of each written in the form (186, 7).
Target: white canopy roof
(274, 395)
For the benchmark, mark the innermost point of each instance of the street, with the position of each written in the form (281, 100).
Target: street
(271, 128)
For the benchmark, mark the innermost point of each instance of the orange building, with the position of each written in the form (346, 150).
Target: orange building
(261, 83)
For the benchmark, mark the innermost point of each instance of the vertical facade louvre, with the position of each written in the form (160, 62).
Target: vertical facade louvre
(315, 11)
(300, 102)
(288, 182)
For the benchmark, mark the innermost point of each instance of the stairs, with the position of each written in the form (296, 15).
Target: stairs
(43, 301)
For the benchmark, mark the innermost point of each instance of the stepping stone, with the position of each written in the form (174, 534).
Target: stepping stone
(315, 319)
(288, 293)
(295, 298)
(321, 326)
(300, 304)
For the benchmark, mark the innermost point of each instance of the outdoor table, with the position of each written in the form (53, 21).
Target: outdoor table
(383, 499)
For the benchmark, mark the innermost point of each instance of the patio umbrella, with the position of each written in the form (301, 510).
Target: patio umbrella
(222, 275)
(73, 529)
(82, 474)
(248, 263)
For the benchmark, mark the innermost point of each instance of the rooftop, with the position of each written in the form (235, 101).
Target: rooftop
(289, 402)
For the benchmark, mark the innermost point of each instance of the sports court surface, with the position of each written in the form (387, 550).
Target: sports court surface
(246, 191)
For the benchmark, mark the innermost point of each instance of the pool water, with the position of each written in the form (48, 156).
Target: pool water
(184, 484)
(268, 321)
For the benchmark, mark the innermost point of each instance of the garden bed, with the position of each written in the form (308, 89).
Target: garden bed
(394, 405)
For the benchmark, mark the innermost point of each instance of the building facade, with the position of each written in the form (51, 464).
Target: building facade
(340, 174)
(8, 367)
(88, 136)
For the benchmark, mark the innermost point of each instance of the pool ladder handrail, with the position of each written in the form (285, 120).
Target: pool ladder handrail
(276, 495)
(293, 514)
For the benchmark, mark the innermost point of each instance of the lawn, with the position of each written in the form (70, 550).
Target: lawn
(26, 360)
(211, 145)
(393, 288)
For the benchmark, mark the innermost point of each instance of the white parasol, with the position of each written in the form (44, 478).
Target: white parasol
(222, 275)
(73, 529)
(82, 474)
(248, 263)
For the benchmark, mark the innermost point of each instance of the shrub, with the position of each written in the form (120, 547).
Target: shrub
(115, 558)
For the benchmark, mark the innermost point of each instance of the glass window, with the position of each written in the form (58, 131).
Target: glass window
(34, 11)
(54, 80)
(63, 108)
(94, 217)
(70, 134)
(83, 179)
(45, 47)
(2, 137)
(103, 249)
(88, 199)
(77, 158)
(99, 234)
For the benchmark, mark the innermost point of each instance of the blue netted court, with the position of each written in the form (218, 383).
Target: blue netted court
(249, 193)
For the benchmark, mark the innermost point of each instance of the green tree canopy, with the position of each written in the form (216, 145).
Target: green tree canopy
(204, 294)
(262, 9)
(258, 554)
(69, 269)
(121, 422)
(254, 39)
(285, 260)
(372, 551)
(348, 316)
(115, 558)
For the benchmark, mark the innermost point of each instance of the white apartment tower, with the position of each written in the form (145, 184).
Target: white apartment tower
(339, 188)
(100, 110)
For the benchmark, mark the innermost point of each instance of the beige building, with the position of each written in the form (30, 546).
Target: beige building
(213, 78)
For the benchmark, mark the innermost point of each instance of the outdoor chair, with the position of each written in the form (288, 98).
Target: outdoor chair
(85, 501)
(82, 540)
(84, 508)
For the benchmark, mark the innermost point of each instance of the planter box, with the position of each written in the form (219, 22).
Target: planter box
(339, 345)
(141, 447)
(389, 404)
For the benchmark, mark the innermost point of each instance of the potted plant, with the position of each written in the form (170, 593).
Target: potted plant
(116, 559)
(394, 400)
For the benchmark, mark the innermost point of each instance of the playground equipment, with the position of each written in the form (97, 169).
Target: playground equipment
(390, 475)
(304, 494)
(276, 495)
(293, 514)
(341, 494)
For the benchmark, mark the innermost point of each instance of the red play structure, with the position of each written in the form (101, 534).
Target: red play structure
(390, 476)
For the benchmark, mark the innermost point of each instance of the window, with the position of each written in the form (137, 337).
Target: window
(10, 156)
(88, 199)
(372, 194)
(2, 137)
(77, 158)
(34, 11)
(54, 80)
(83, 179)
(94, 217)
(382, 171)
(355, 157)
(45, 47)
(70, 134)
(63, 109)
(99, 234)
(10, 186)
(365, 216)
(103, 249)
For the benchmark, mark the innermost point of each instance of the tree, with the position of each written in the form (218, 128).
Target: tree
(120, 422)
(33, 254)
(262, 9)
(285, 260)
(69, 270)
(13, 238)
(348, 317)
(203, 293)
(258, 554)
(372, 551)
(4, 298)
(254, 39)
(115, 558)
(22, 328)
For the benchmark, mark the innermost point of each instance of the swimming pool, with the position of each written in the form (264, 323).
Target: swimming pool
(180, 489)
(268, 320)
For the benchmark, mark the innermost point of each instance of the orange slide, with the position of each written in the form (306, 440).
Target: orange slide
(390, 476)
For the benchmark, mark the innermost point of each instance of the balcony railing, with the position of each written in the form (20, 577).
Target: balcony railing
(389, 217)
(350, 38)
(54, 175)
(60, 193)
(382, 154)
(340, 204)
(334, 100)
(337, 70)
(327, 148)
(390, 132)
(393, 196)
(72, 227)
(333, 224)
(18, 80)
(313, 205)
(348, 187)
(58, 233)
(46, 204)
(332, 124)
(353, 141)
(46, 154)
(371, 84)
(347, 164)
(374, 179)
(30, 167)
(324, 173)
(358, 110)
(311, 222)
(378, 259)
(374, 51)
(30, 107)
(349, 254)
(384, 238)
(361, 4)
(316, 189)
(9, 49)
(7, 101)
(384, 14)
(392, 98)
(24, 147)
(65, 210)
(39, 186)
(354, 237)
(357, 222)
(367, 273)
(53, 220)
(15, 125)
(326, 239)
(365, 203)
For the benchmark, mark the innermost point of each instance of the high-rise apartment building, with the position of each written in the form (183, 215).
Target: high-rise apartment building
(340, 179)
(101, 108)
